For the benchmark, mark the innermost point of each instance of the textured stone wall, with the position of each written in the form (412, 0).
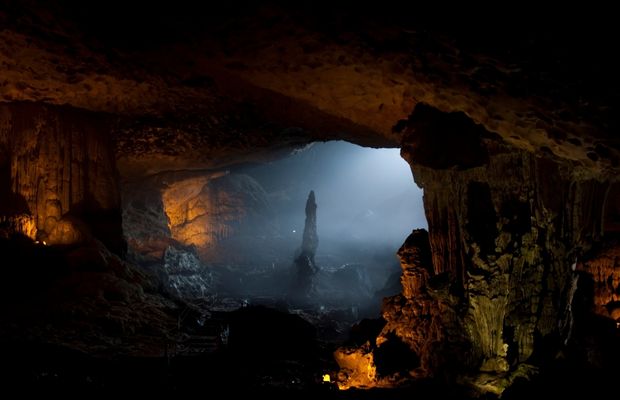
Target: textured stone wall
(490, 289)
(207, 211)
(220, 215)
(59, 174)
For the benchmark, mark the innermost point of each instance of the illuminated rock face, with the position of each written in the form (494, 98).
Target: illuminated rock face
(189, 213)
(211, 212)
(60, 171)
(357, 368)
(604, 270)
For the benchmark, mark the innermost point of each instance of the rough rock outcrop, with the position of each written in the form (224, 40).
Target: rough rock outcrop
(414, 316)
(420, 318)
(210, 210)
(495, 279)
(58, 175)
(187, 277)
(505, 227)
(212, 213)
(144, 222)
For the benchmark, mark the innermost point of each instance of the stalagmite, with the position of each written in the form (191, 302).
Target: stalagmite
(306, 268)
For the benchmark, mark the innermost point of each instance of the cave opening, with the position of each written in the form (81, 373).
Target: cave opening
(231, 238)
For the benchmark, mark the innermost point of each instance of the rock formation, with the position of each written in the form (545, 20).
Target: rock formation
(211, 213)
(504, 228)
(420, 317)
(310, 239)
(603, 268)
(187, 277)
(215, 212)
(185, 226)
(305, 267)
(60, 177)
(415, 316)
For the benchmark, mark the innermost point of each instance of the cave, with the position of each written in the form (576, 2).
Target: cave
(201, 197)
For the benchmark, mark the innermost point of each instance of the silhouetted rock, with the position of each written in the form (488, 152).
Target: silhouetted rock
(305, 267)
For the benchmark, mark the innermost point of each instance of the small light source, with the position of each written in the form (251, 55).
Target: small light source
(44, 244)
(326, 378)
(294, 231)
(618, 325)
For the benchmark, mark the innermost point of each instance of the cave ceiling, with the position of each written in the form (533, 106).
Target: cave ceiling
(202, 86)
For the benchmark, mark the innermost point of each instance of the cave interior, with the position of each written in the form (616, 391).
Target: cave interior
(356, 201)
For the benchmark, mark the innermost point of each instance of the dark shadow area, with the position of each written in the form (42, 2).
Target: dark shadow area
(10, 203)
(395, 357)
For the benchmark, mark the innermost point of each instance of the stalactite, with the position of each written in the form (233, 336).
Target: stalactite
(62, 169)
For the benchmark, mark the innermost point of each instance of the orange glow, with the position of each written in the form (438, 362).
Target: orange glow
(24, 224)
(326, 378)
(188, 216)
(194, 217)
(357, 368)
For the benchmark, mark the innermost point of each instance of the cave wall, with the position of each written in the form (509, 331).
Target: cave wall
(515, 240)
(59, 180)
(223, 217)
(217, 215)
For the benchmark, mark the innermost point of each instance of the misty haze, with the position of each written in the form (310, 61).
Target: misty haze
(367, 205)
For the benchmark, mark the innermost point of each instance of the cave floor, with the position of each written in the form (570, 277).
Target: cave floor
(264, 351)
